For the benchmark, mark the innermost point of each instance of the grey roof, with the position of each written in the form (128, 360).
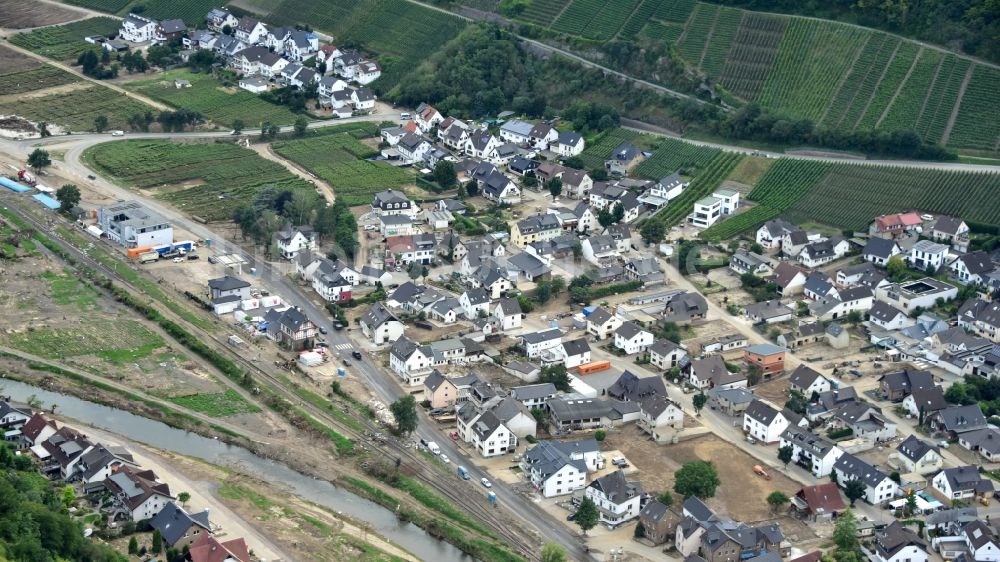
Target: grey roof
(600, 316)
(857, 469)
(538, 223)
(629, 330)
(761, 411)
(654, 511)
(173, 26)
(663, 347)
(395, 220)
(697, 509)
(522, 128)
(803, 376)
(977, 262)
(960, 515)
(533, 391)
(509, 305)
(778, 227)
(529, 264)
(383, 198)
(984, 440)
(948, 225)
(879, 247)
(173, 522)
(929, 400)
(907, 380)
(478, 296)
(914, 448)
(732, 395)
(929, 247)
(966, 478)
(814, 444)
(818, 282)
(629, 387)
(625, 152)
(486, 425)
(962, 418)
(616, 488)
(765, 349)
(378, 315)
(547, 457)
(434, 380)
(894, 538)
(403, 348)
(576, 347)
(767, 309)
(884, 312)
(569, 138)
(542, 336)
(227, 283)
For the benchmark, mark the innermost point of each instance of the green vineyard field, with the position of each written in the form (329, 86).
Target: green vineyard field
(65, 42)
(34, 79)
(76, 110)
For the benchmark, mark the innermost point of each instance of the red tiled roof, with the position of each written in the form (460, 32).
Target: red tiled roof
(823, 498)
(208, 549)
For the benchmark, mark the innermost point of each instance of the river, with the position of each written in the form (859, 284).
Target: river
(162, 436)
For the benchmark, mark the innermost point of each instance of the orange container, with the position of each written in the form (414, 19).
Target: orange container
(135, 252)
(594, 367)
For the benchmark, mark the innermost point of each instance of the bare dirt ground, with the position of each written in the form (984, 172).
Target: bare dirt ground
(774, 390)
(742, 494)
(18, 14)
(11, 60)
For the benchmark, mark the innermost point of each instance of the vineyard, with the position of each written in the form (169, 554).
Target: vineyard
(402, 33)
(673, 155)
(861, 80)
(977, 125)
(848, 196)
(543, 12)
(109, 6)
(707, 181)
(191, 11)
(208, 97)
(595, 19)
(339, 160)
(209, 180)
(76, 109)
(34, 79)
(65, 42)
(752, 53)
(597, 152)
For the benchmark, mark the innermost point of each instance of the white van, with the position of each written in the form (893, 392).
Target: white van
(118, 133)
(404, 116)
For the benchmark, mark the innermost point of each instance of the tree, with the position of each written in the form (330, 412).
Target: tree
(653, 231)
(405, 411)
(854, 317)
(299, 209)
(854, 490)
(472, 188)
(776, 499)
(157, 541)
(238, 126)
(552, 552)
(68, 196)
(530, 179)
(785, 454)
(696, 478)
(586, 515)
(68, 496)
(605, 218)
(133, 545)
(183, 497)
(444, 174)
(617, 212)
(416, 271)
(227, 29)
(895, 268)
(100, 123)
(640, 530)
(554, 186)
(555, 374)
(43, 129)
(845, 532)
(300, 126)
(39, 159)
(911, 502)
(600, 435)
(698, 401)
(666, 498)
(754, 374)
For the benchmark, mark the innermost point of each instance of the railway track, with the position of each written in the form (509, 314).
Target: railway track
(473, 503)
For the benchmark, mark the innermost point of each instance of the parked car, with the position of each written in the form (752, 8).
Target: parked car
(356, 355)
(192, 257)
(436, 412)
(178, 260)
(444, 458)
(486, 482)
(91, 177)
(322, 330)
(347, 362)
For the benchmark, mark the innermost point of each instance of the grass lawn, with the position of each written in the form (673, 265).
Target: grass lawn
(217, 404)
(208, 97)
(68, 290)
(116, 341)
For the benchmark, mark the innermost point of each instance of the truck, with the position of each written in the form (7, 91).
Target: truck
(148, 257)
(463, 473)
(26, 178)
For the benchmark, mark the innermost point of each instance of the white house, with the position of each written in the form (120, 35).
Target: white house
(897, 543)
(766, 423)
(961, 483)
(971, 268)
(508, 314)
(888, 317)
(137, 29)
(474, 302)
(363, 100)
(570, 144)
(575, 352)
(427, 117)
(771, 233)
(632, 339)
(916, 456)
(537, 342)
(815, 453)
(516, 131)
(617, 499)
(491, 437)
(380, 325)
(879, 488)
(138, 492)
(825, 251)
(981, 542)
(602, 324)
(600, 248)
(412, 147)
(250, 30)
(926, 254)
(878, 250)
(806, 380)
(666, 354)
(393, 202)
(292, 240)
(557, 468)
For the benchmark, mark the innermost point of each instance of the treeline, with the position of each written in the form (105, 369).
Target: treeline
(970, 26)
(168, 120)
(271, 209)
(34, 521)
(487, 70)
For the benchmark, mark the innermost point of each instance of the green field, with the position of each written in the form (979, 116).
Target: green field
(109, 6)
(595, 19)
(191, 11)
(215, 103)
(401, 33)
(65, 42)
(849, 196)
(672, 155)
(209, 179)
(717, 170)
(68, 290)
(34, 79)
(117, 341)
(339, 160)
(77, 109)
(218, 404)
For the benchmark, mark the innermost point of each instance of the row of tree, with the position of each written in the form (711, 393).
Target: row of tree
(271, 209)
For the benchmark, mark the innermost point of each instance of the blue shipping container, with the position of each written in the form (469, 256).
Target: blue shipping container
(46, 200)
(13, 185)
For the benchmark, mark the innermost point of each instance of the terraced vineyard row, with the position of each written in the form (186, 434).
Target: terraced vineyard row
(891, 81)
(941, 98)
(860, 81)
(543, 12)
(595, 19)
(109, 6)
(76, 110)
(977, 125)
(707, 181)
(718, 45)
(906, 110)
(191, 11)
(752, 53)
(813, 56)
(674, 10)
(673, 155)
(692, 43)
(668, 32)
(640, 17)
